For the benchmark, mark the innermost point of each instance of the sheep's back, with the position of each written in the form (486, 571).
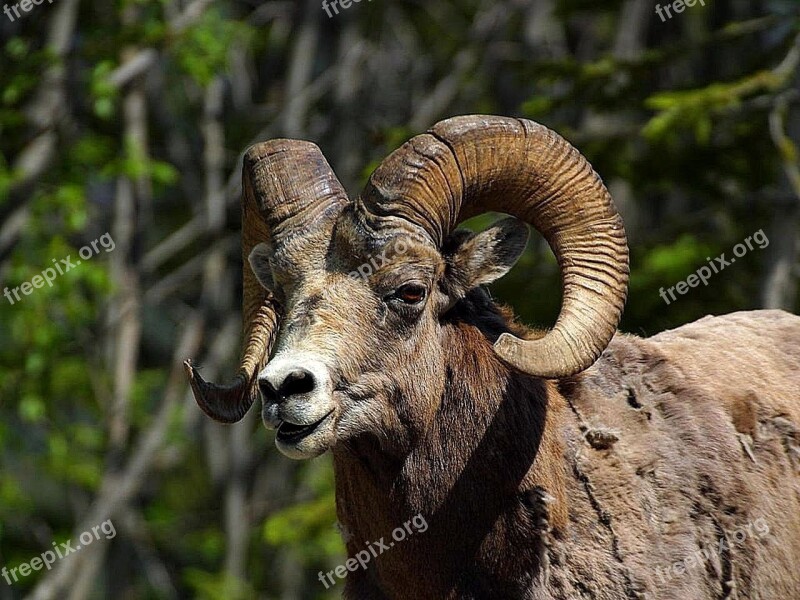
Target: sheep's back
(690, 456)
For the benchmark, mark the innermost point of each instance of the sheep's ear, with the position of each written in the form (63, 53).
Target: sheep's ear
(259, 262)
(480, 259)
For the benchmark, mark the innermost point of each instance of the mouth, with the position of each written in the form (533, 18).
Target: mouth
(292, 434)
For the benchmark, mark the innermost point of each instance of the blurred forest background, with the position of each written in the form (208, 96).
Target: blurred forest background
(129, 117)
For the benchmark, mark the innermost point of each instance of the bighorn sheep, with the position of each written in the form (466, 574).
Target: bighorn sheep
(569, 464)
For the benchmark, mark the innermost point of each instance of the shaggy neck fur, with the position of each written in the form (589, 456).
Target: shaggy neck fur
(487, 473)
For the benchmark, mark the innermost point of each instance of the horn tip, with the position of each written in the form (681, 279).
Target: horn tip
(196, 381)
(198, 385)
(224, 404)
(533, 357)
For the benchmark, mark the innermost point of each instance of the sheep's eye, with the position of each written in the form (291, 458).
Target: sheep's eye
(410, 293)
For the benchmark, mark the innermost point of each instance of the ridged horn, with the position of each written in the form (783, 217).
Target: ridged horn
(469, 165)
(285, 184)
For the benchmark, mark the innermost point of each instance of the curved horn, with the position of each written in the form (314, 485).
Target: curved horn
(468, 165)
(285, 183)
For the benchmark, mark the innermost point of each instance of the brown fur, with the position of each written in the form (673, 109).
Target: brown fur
(523, 502)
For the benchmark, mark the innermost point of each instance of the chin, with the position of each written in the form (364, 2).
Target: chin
(305, 442)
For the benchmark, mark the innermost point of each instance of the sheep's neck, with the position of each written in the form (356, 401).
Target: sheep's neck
(488, 473)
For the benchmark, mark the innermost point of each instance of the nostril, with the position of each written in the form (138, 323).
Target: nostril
(298, 381)
(268, 391)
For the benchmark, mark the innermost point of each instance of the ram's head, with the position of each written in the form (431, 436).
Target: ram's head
(346, 302)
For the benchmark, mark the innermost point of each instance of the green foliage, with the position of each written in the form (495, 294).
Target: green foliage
(309, 527)
(215, 586)
(202, 50)
(694, 109)
(102, 91)
(22, 64)
(135, 165)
